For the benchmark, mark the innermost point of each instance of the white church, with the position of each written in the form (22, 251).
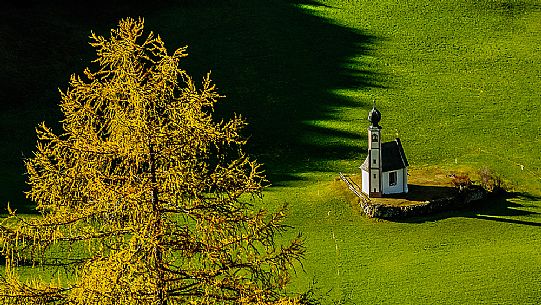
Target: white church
(385, 170)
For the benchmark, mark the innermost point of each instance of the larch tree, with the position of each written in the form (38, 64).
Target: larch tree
(143, 197)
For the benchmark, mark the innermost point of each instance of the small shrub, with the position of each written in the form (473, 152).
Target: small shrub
(490, 181)
(461, 181)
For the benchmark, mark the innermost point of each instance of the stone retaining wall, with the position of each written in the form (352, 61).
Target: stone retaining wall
(463, 199)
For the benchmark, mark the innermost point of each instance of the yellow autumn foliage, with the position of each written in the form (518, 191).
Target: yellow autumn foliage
(142, 195)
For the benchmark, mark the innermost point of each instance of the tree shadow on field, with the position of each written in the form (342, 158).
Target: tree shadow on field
(499, 208)
(276, 63)
(502, 209)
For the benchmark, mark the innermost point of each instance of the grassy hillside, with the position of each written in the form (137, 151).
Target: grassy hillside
(461, 79)
(456, 79)
(488, 255)
(459, 83)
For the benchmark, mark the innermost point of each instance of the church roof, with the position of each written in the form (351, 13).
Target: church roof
(393, 157)
(364, 166)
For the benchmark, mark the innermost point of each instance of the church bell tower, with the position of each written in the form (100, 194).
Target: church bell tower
(374, 151)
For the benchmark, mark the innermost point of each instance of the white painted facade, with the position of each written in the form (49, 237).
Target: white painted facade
(401, 185)
(366, 185)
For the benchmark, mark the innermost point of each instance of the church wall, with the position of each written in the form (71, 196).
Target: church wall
(399, 187)
(366, 184)
(405, 180)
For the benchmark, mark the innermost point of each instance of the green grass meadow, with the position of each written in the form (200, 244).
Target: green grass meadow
(458, 80)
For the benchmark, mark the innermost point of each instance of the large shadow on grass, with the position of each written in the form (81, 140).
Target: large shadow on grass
(502, 208)
(497, 207)
(276, 63)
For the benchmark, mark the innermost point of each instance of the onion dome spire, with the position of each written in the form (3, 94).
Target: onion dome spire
(374, 116)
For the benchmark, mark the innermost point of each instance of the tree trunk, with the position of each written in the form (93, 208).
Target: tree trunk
(161, 294)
